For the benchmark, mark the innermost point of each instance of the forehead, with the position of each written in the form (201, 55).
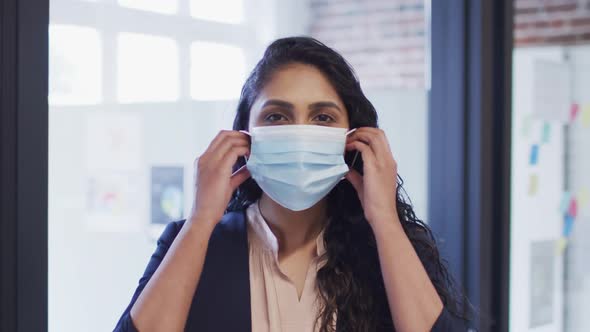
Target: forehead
(299, 83)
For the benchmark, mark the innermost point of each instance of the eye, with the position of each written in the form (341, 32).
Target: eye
(324, 118)
(274, 117)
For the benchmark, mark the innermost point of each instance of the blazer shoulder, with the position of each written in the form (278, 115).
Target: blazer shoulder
(232, 222)
(170, 232)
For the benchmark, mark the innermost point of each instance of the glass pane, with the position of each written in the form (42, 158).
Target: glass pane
(75, 65)
(549, 275)
(217, 71)
(158, 6)
(147, 68)
(132, 104)
(224, 11)
(387, 44)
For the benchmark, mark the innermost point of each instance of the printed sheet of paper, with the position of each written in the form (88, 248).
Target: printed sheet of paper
(542, 283)
(551, 91)
(167, 194)
(113, 141)
(112, 201)
(113, 171)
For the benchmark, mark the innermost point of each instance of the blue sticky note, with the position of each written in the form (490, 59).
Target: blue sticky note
(546, 135)
(568, 224)
(534, 158)
(565, 202)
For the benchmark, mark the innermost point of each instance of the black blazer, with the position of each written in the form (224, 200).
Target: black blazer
(223, 301)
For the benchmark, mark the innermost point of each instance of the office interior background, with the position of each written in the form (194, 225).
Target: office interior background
(138, 88)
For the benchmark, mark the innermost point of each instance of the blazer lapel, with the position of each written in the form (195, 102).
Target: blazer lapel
(222, 299)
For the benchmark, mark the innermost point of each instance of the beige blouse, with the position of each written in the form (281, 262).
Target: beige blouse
(275, 303)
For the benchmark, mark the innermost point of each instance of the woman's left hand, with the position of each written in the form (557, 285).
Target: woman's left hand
(413, 300)
(377, 186)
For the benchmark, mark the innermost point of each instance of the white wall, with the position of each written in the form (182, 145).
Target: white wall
(577, 274)
(563, 165)
(403, 115)
(536, 217)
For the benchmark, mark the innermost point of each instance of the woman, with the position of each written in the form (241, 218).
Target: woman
(283, 234)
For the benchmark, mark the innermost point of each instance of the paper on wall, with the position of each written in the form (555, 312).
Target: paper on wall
(113, 141)
(527, 122)
(573, 208)
(585, 116)
(561, 245)
(551, 91)
(565, 202)
(534, 155)
(546, 134)
(568, 225)
(113, 158)
(112, 201)
(583, 197)
(542, 286)
(574, 110)
(167, 194)
(533, 184)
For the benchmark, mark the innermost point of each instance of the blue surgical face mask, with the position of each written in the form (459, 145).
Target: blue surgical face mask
(297, 165)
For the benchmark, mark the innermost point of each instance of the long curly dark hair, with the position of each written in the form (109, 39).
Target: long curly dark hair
(350, 283)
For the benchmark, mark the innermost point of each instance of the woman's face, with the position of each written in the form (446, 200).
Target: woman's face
(298, 94)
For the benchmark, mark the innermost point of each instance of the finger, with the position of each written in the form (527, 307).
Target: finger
(238, 177)
(379, 145)
(375, 138)
(356, 180)
(227, 145)
(232, 156)
(221, 136)
(364, 149)
(217, 150)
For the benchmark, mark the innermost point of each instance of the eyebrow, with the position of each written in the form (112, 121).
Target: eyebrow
(289, 106)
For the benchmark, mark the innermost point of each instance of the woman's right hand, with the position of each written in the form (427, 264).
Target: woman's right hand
(164, 302)
(213, 180)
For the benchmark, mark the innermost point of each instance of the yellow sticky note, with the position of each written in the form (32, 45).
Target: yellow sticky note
(533, 184)
(585, 116)
(560, 245)
(583, 196)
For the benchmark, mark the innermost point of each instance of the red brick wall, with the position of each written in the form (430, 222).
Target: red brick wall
(382, 39)
(549, 22)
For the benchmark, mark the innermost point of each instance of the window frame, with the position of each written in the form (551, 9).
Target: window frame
(23, 174)
(470, 147)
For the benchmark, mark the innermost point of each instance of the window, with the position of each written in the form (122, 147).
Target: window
(147, 68)
(224, 11)
(136, 93)
(156, 6)
(550, 184)
(138, 88)
(75, 65)
(217, 71)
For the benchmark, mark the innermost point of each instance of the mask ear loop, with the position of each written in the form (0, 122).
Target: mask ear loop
(350, 131)
(245, 158)
(356, 153)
